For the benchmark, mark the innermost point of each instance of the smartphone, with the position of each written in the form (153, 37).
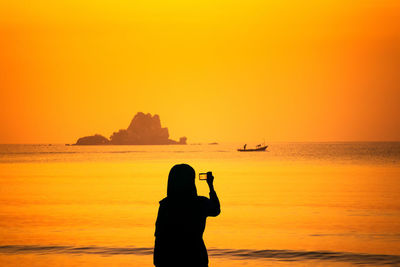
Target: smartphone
(203, 176)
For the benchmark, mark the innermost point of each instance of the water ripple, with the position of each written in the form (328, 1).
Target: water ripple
(281, 255)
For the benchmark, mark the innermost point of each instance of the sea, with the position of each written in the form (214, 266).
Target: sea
(296, 204)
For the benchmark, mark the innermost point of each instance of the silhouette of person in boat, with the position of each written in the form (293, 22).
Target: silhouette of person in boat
(181, 220)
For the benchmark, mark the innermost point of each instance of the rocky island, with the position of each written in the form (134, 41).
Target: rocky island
(144, 129)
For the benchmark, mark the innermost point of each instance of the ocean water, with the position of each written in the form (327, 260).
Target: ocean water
(297, 204)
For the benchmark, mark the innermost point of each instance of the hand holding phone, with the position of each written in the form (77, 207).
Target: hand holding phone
(203, 176)
(207, 176)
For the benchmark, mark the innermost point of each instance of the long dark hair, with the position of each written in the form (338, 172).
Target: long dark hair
(181, 182)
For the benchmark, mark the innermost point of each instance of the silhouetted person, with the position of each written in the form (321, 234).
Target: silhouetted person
(244, 147)
(181, 220)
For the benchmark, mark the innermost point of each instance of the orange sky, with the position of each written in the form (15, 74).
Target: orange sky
(213, 70)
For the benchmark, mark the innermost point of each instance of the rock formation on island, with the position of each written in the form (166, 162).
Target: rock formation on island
(144, 129)
(96, 139)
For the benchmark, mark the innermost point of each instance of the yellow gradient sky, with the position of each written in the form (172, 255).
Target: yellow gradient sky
(213, 70)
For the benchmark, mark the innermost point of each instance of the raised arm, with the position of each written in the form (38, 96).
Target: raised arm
(214, 208)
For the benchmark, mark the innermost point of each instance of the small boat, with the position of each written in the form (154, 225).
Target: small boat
(258, 148)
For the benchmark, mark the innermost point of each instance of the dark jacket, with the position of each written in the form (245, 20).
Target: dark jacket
(179, 230)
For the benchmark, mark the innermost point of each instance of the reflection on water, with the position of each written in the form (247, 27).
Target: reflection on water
(243, 254)
(347, 152)
(332, 203)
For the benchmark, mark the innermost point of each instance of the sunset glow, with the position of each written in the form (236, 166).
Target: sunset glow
(111, 110)
(213, 70)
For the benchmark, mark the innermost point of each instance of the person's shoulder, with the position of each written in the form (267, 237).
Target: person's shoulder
(163, 201)
(203, 199)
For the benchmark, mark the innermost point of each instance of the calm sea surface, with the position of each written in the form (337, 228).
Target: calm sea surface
(297, 204)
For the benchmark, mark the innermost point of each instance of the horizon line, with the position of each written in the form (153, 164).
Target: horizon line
(229, 142)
